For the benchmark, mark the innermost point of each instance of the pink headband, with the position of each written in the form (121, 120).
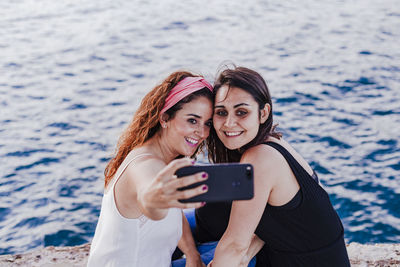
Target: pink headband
(184, 88)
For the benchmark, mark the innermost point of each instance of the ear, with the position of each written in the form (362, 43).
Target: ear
(163, 120)
(265, 113)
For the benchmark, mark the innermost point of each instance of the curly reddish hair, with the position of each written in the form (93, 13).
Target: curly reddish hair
(145, 122)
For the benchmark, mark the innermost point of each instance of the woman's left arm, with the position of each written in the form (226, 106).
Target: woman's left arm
(246, 214)
(187, 245)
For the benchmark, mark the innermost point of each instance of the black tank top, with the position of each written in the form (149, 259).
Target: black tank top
(304, 232)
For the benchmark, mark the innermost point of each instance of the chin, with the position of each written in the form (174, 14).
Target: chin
(187, 153)
(231, 146)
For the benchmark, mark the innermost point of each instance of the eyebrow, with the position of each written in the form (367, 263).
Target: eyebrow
(235, 106)
(194, 115)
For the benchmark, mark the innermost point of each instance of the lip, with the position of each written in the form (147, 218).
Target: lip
(232, 134)
(192, 141)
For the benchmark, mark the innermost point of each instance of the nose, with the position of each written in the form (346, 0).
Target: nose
(201, 132)
(229, 121)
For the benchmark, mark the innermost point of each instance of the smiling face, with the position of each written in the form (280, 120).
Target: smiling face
(189, 127)
(237, 117)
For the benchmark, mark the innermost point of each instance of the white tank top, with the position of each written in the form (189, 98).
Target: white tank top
(141, 242)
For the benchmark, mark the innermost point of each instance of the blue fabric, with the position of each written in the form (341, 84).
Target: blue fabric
(206, 250)
(189, 213)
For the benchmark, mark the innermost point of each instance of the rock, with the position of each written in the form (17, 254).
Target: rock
(49, 257)
(374, 255)
(377, 255)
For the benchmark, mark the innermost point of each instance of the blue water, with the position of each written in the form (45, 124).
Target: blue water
(73, 72)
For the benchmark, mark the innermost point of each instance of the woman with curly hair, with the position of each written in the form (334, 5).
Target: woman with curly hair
(141, 221)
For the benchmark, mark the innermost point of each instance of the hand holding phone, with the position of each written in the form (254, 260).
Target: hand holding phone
(226, 182)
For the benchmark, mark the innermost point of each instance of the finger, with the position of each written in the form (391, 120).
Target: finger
(189, 205)
(171, 187)
(187, 180)
(168, 172)
(189, 193)
(174, 184)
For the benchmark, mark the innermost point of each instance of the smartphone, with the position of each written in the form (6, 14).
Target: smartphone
(226, 182)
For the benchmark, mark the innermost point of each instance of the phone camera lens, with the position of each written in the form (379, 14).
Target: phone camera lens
(248, 172)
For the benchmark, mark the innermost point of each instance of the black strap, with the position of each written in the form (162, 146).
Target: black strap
(296, 167)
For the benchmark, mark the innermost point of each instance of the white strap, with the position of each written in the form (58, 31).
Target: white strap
(129, 162)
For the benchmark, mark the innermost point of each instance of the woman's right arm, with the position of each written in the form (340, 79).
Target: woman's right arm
(255, 246)
(156, 186)
(246, 214)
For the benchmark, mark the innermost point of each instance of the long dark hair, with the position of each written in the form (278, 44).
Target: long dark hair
(251, 82)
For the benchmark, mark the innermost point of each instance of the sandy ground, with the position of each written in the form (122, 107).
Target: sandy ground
(381, 255)
(49, 256)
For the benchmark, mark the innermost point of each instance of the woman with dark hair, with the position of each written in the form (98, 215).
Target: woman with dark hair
(141, 221)
(290, 221)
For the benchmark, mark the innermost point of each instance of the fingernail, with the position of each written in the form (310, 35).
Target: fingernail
(204, 175)
(193, 161)
(203, 203)
(204, 188)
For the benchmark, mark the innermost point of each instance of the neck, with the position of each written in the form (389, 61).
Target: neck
(160, 147)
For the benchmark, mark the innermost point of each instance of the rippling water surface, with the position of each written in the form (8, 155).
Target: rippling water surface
(73, 72)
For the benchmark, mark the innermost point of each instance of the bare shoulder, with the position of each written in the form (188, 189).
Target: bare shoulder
(145, 165)
(262, 155)
(269, 165)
